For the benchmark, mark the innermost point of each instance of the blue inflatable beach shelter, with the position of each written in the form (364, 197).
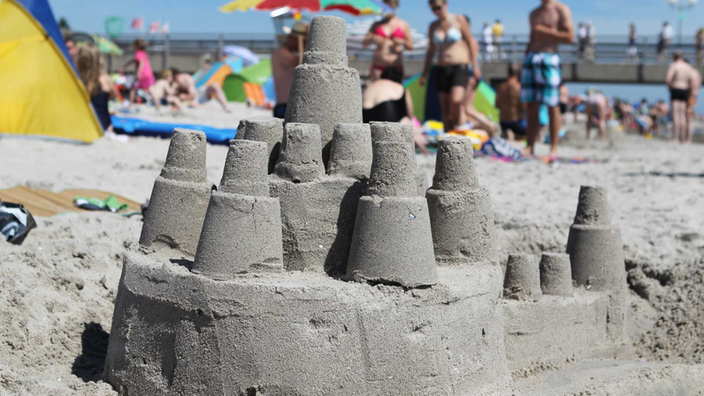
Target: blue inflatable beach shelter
(41, 93)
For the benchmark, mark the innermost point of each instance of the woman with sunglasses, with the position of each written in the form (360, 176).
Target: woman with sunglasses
(392, 35)
(450, 36)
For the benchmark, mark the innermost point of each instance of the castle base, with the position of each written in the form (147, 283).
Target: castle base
(175, 332)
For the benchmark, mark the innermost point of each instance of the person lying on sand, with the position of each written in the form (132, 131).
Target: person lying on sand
(186, 90)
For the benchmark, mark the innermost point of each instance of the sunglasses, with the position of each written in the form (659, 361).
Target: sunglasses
(437, 8)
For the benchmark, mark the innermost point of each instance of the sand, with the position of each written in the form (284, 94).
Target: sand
(57, 290)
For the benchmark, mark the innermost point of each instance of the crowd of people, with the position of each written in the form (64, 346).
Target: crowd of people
(452, 56)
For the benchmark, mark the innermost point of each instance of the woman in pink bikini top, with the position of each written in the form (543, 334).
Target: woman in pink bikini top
(392, 35)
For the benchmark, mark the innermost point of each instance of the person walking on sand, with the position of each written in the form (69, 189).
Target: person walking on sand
(471, 114)
(284, 60)
(450, 37)
(511, 111)
(551, 25)
(144, 76)
(683, 80)
(186, 90)
(392, 35)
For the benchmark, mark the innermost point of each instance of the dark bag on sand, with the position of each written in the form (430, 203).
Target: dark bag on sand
(15, 222)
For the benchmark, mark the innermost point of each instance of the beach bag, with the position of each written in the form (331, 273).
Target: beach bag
(15, 222)
(498, 147)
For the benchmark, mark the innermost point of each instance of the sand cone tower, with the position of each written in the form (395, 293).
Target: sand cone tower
(596, 254)
(522, 279)
(395, 132)
(264, 129)
(594, 245)
(325, 91)
(556, 275)
(460, 209)
(242, 229)
(392, 241)
(180, 196)
(301, 160)
(351, 154)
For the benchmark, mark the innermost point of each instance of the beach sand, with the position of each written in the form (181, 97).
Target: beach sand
(58, 288)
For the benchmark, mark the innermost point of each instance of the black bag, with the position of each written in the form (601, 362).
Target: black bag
(15, 222)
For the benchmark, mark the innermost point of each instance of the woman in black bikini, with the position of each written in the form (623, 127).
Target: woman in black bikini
(97, 82)
(450, 36)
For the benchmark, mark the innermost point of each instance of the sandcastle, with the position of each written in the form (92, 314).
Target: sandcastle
(310, 275)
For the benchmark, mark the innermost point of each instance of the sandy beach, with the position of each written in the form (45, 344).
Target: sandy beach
(58, 289)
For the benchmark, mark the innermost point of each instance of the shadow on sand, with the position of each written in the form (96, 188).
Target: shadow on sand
(89, 365)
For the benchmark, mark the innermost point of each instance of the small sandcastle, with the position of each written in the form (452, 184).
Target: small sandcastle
(321, 265)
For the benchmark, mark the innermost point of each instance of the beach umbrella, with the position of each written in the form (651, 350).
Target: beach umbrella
(107, 47)
(354, 7)
(248, 57)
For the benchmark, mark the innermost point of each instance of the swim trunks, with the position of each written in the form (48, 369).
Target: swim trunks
(517, 127)
(540, 83)
(680, 94)
(448, 77)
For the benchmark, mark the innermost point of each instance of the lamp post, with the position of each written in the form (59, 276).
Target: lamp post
(681, 9)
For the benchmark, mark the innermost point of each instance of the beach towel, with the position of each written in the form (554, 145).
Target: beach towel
(15, 222)
(500, 148)
(44, 203)
(110, 204)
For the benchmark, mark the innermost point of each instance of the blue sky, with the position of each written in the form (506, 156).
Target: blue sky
(609, 16)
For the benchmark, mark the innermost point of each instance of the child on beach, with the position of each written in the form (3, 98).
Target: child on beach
(144, 76)
(97, 82)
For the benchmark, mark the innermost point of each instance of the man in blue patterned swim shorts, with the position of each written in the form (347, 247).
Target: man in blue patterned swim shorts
(551, 25)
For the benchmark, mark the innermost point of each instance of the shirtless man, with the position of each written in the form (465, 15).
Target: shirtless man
(186, 91)
(283, 65)
(683, 80)
(511, 111)
(551, 25)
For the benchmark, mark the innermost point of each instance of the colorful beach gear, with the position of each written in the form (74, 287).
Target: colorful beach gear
(40, 92)
(354, 7)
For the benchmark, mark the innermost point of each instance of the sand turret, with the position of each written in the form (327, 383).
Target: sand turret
(395, 132)
(351, 153)
(180, 195)
(242, 228)
(594, 245)
(392, 240)
(596, 254)
(460, 209)
(264, 129)
(556, 275)
(325, 91)
(301, 156)
(522, 279)
(318, 211)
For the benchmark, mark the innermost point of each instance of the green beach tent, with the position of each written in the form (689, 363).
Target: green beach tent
(234, 83)
(426, 101)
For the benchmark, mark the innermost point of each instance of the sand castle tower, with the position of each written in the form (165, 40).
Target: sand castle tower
(460, 209)
(318, 210)
(242, 228)
(325, 91)
(180, 195)
(556, 275)
(596, 253)
(269, 130)
(522, 280)
(392, 240)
